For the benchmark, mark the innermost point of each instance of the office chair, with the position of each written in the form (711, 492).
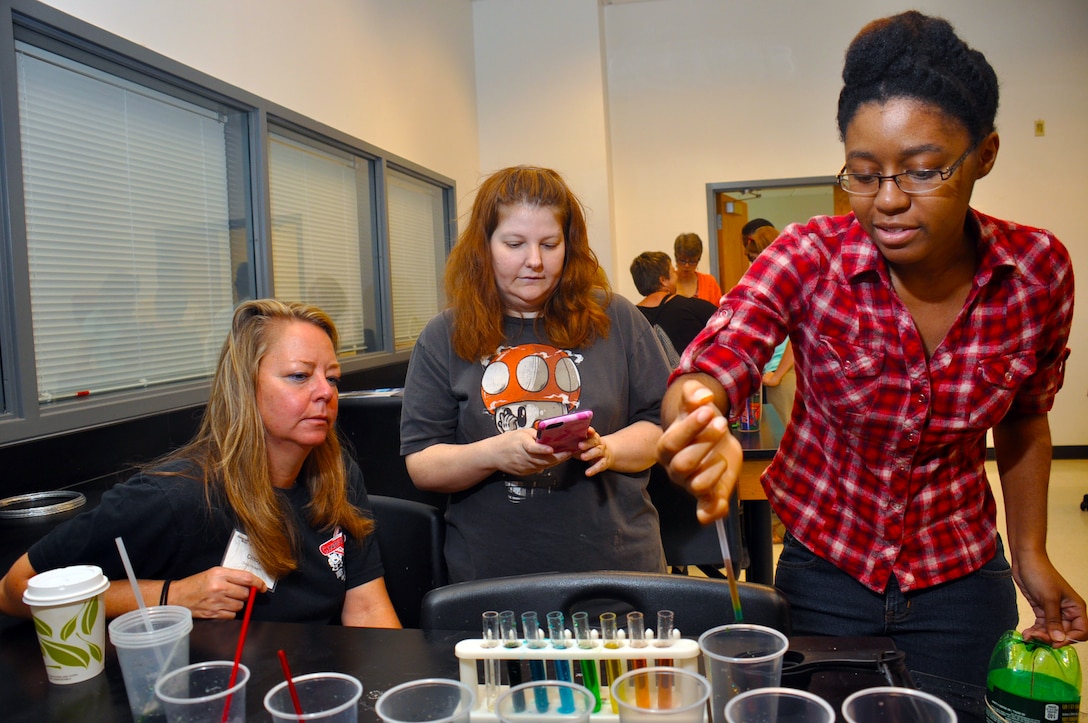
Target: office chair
(411, 536)
(371, 426)
(698, 603)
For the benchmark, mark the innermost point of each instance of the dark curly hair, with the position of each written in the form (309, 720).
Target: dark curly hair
(912, 55)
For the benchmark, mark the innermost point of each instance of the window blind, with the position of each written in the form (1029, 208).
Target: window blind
(315, 234)
(415, 238)
(125, 192)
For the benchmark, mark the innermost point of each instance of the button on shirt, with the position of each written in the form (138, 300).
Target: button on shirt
(882, 470)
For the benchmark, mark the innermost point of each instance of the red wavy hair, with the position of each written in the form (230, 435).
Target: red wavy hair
(573, 316)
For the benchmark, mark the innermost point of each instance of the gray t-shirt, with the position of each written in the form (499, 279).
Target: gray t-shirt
(558, 520)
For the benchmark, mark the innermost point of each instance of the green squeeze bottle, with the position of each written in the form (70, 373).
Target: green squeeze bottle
(1031, 682)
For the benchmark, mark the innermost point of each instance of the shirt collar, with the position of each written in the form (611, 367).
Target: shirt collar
(860, 256)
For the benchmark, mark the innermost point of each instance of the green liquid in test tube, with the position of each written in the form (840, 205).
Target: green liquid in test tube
(590, 676)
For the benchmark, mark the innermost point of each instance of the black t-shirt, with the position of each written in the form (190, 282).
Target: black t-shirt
(681, 317)
(170, 532)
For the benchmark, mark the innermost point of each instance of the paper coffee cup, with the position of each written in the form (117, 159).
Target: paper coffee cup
(70, 617)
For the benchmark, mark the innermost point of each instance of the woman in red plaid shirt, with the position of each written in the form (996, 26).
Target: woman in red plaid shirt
(918, 324)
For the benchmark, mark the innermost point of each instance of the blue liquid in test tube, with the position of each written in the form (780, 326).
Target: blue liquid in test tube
(533, 638)
(557, 634)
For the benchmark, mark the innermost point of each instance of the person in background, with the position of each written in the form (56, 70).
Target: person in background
(530, 333)
(919, 324)
(680, 317)
(264, 476)
(688, 250)
(779, 377)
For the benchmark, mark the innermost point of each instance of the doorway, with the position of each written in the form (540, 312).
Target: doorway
(781, 201)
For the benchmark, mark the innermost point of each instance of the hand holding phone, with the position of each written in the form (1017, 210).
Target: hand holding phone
(563, 433)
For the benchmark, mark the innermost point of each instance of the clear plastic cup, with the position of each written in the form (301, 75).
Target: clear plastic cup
(662, 694)
(779, 705)
(890, 704)
(199, 693)
(145, 656)
(70, 619)
(550, 700)
(325, 697)
(738, 658)
(438, 700)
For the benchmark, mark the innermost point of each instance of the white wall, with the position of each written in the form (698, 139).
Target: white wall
(706, 91)
(400, 75)
(639, 104)
(541, 87)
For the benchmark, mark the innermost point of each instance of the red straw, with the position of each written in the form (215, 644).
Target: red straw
(238, 651)
(290, 683)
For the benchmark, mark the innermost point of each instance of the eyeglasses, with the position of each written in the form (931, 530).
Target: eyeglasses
(912, 182)
(687, 261)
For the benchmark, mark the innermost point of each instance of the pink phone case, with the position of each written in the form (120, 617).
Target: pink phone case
(563, 433)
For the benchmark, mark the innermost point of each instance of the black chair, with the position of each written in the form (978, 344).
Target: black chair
(698, 603)
(411, 536)
(371, 425)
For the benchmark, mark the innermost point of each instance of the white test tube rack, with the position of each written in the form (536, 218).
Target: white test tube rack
(683, 654)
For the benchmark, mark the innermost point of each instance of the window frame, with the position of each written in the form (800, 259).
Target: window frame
(22, 418)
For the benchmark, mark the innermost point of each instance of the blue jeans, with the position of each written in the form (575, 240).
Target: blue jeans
(948, 631)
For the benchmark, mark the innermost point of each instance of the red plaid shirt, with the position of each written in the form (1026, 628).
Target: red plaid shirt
(881, 470)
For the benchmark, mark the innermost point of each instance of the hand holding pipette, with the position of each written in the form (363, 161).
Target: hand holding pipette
(697, 449)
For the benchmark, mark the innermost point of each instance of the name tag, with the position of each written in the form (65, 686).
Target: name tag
(240, 556)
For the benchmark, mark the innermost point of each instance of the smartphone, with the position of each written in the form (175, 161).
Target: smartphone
(563, 433)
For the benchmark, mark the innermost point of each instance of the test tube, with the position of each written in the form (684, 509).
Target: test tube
(613, 667)
(664, 640)
(590, 675)
(491, 665)
(530, 625)
(508, 629)
(636, 638)
(557, 635)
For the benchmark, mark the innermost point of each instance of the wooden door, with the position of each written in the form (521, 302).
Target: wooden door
(732, 261)
(841, 200)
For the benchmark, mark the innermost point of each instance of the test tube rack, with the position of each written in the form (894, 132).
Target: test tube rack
(683, 654)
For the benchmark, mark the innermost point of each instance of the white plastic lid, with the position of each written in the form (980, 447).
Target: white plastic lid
(65, 584)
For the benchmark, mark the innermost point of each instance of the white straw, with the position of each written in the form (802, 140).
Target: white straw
(135, 585)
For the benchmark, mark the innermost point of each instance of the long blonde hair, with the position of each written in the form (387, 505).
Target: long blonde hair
(230, 449)
(574, 314)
